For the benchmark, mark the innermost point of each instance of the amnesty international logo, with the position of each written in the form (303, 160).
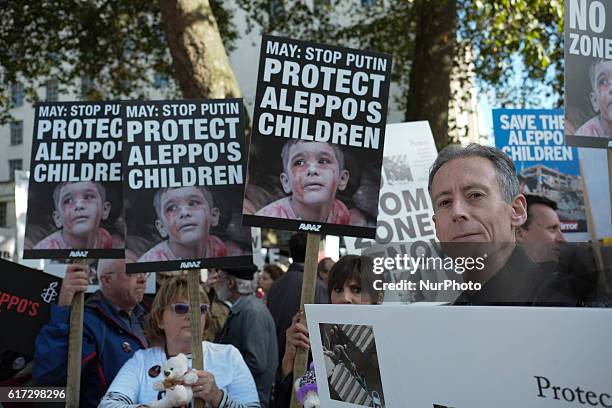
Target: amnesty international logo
(49, 294)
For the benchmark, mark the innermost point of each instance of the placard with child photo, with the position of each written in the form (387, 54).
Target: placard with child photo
(184, 172)
(317, 139)
(588, 74)
(75, 200)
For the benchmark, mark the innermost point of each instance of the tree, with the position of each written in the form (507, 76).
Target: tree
(200, 62)
(434, 42)
(122, 46)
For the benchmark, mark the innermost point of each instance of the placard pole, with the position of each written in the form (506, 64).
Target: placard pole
(603, 284)
(75, 347)
(308, 295)
(610, 179)
(193, 287)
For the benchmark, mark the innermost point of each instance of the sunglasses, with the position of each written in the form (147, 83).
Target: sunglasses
(183, 308)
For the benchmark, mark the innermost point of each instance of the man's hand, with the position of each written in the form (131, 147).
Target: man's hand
(296, 336)
(76, 280)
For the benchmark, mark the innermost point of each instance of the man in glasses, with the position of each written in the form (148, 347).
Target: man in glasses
(249, 327)
(112, 329)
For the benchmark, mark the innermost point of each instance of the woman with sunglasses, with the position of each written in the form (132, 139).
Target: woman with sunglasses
(225, 382)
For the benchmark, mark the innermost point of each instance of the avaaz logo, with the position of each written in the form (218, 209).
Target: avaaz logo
(310, 227)
(190, 264)
(78, 254)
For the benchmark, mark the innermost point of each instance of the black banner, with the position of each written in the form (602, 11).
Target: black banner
(317, 138)
(588, 73)
(26, 295)
(75, 198)
(184, 178)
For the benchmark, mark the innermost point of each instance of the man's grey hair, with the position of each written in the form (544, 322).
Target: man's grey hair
(105, 267)
(504, 166)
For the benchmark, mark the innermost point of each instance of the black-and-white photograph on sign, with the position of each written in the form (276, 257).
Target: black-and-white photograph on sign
(184, 174)
(351, 364)
(588, 73)
(317, 138)
(75, 199)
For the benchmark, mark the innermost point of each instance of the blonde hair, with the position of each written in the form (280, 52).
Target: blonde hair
(173, 289)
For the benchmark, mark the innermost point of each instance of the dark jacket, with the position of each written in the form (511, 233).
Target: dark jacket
(107, 344)
(284, 301)
(522, 282)
(250, 328)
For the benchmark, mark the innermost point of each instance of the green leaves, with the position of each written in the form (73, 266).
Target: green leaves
(120, 44)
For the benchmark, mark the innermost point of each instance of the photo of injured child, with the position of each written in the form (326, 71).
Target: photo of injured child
(80, 215)
(185, 223)
(184, 218)
(351, 364)
(312, 181)
(588, 102)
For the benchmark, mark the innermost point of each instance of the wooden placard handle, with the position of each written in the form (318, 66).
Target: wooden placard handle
(193, 287)
(604, 285)
(75, 347)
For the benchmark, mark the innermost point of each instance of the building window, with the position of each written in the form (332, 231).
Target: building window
(3, 214)
(17, 95)
(277, 9)
(87, 86)
(52, 90)
(16, 164)
(160, 81)
(16, 133)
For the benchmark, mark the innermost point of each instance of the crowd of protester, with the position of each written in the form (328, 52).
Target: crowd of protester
(251, 319)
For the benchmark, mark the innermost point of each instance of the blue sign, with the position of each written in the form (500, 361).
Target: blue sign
(534, 140)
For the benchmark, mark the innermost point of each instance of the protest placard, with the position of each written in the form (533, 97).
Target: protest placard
(404, 208)
(545, 165)
(597, 183)
(317, 139)
(185, 170)
(405, 224)
(588, 73)
(57, 267)
(21, 206)
(446, 356)
(25, 304)
(75, 194)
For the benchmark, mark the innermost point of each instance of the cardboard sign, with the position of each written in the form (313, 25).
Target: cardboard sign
(317, 139)
(25, 304)
(57, 268)
(75, 198)
(184, 175)
(465, 357)
(588, 73)
(405, 210)
(533, 139)
(598, 185)
(405, 224)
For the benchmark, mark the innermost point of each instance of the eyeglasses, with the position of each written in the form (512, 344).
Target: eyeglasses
(183, 308)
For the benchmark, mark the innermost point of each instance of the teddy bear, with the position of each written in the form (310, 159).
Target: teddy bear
(177, 380)
(306, 389)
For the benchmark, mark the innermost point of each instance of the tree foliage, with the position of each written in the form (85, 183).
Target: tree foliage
(491, 36)
(512, 47)
(121, 45)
